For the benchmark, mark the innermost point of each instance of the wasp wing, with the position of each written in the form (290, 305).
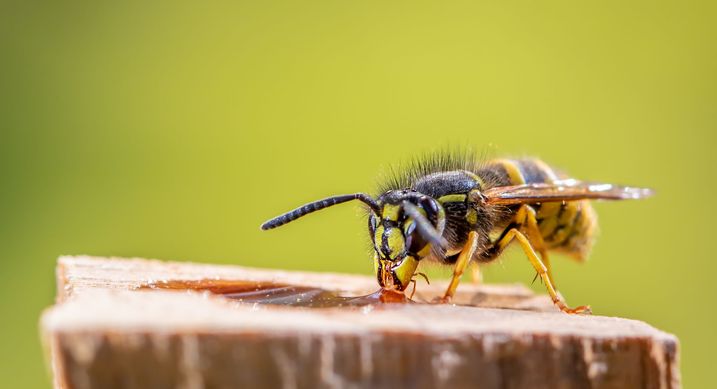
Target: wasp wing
(565, 190)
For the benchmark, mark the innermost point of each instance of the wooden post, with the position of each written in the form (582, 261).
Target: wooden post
(148, 324)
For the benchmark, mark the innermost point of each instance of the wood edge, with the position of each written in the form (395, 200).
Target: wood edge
(75, 277)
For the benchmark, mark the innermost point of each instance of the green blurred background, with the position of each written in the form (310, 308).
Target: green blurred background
(172, 130)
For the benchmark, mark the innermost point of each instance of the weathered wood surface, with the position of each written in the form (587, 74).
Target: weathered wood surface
(112, 329)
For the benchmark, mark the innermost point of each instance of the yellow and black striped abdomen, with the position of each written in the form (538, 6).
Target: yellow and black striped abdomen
(568, 227)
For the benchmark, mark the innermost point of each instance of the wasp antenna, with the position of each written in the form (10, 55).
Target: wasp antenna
(424, 226)
(318, 205)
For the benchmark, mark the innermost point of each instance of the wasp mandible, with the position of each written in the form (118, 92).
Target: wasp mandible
(455, 211)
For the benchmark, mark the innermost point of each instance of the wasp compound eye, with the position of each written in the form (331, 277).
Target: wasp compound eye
(430, 206)
(372, 223)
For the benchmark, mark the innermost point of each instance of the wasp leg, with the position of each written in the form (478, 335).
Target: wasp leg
(476, 275)
(539, 267)
(413, 281)
(531, 223)
(465, 256)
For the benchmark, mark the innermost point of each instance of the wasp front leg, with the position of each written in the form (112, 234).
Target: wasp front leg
(464, 258)
(476, 274)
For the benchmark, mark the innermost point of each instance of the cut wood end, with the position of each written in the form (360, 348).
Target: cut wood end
(115, 326)
(80, 274)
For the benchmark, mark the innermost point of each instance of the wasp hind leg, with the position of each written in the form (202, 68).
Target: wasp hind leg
(525, 218)
(529, 220)
(461, 264)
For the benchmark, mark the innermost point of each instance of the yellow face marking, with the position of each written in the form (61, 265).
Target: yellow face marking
(390, 212)
(375, 263)
(395, 241)
(514, 173)
(404, 271)
(452, 198)
(377, 236)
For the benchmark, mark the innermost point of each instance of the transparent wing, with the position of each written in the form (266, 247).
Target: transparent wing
(565, 190)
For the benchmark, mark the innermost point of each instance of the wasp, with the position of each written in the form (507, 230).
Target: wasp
(456, 211)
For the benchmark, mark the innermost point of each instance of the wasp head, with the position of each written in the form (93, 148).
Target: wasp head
(404, 225)
(408, 226)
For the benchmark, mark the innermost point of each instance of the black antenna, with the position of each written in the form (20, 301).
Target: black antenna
(424, 226)
(318, 205)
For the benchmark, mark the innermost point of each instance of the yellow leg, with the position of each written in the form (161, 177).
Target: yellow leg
(466, 254)
(476, 275)
(536, 238)
(540, 267)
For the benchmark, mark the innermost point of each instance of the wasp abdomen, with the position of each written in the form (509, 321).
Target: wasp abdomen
(567, 226)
